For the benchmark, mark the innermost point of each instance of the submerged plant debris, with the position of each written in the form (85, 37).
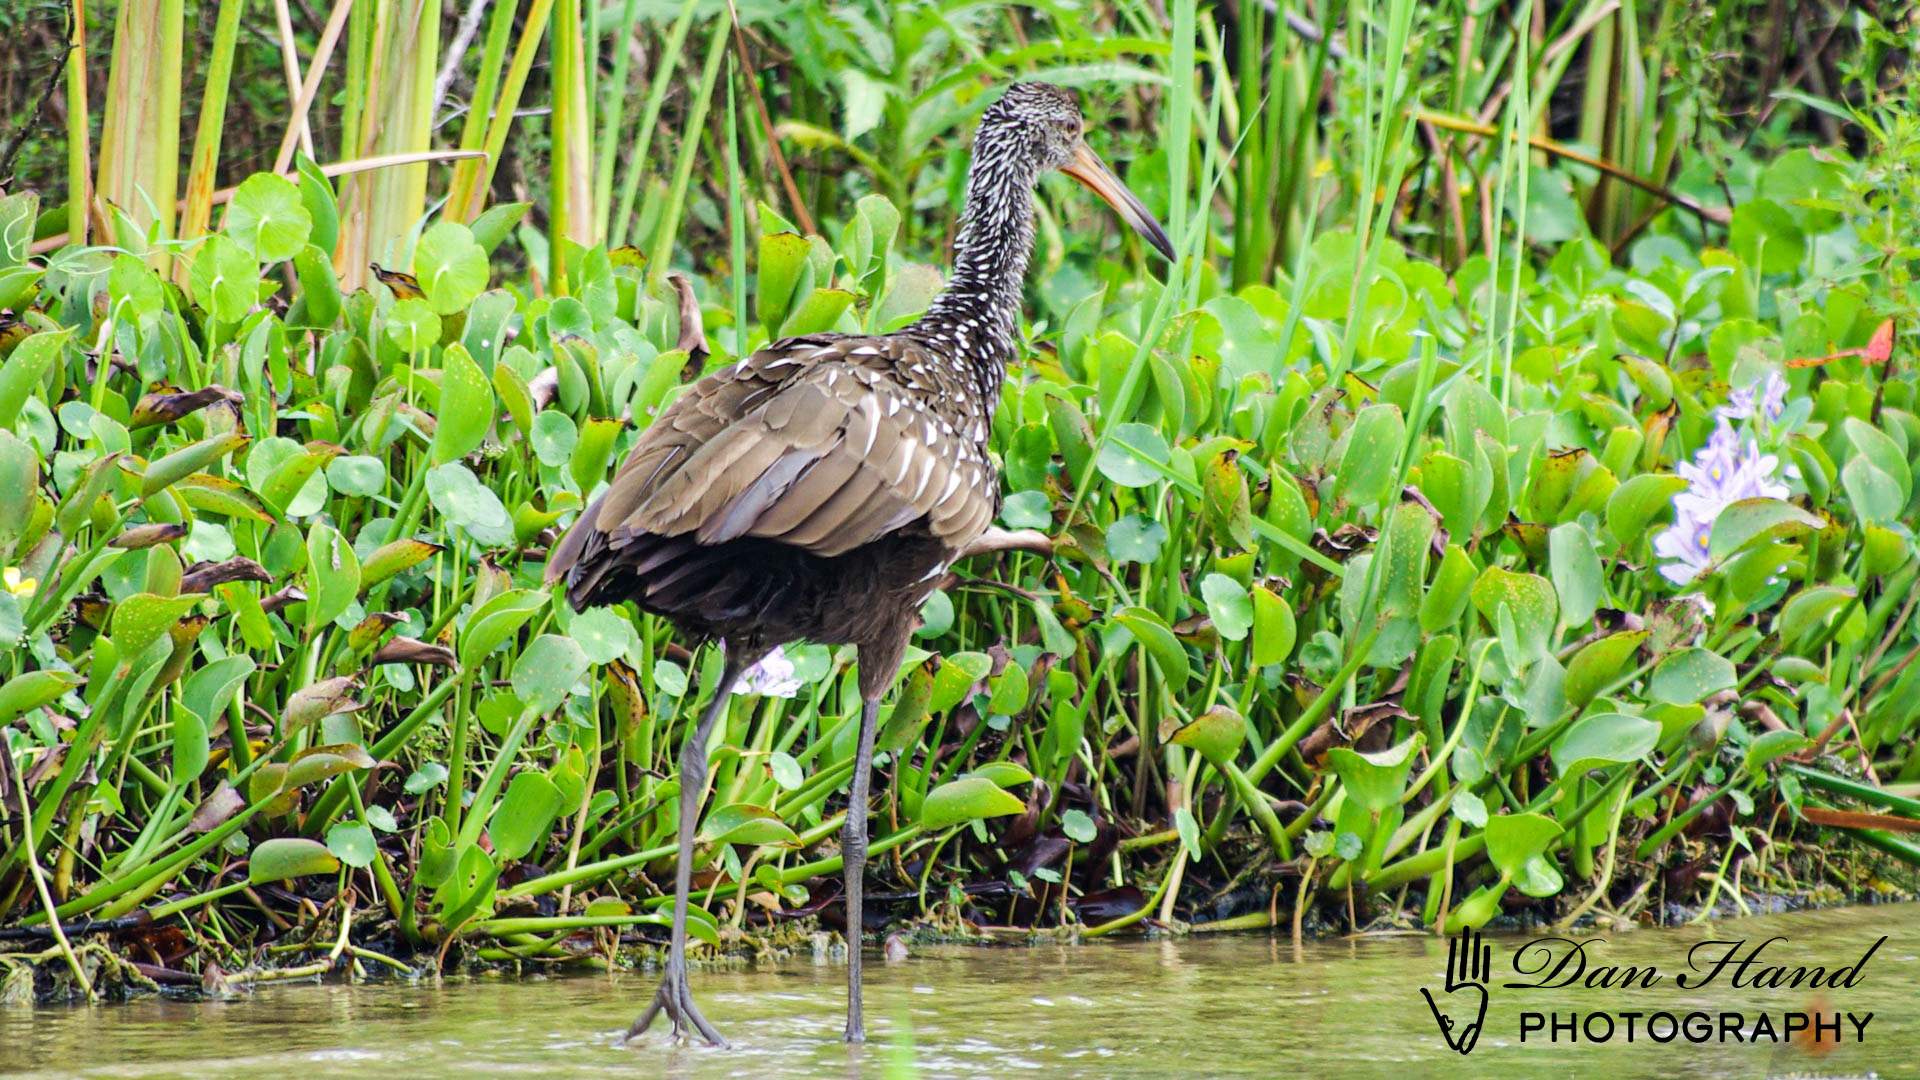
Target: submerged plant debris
(1459, 532)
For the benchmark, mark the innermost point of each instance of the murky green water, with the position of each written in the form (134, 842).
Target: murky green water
(1206, 1006)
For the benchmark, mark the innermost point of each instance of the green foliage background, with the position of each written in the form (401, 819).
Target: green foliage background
(1351, 596)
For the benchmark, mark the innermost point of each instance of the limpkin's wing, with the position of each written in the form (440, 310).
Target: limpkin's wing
(814, 442)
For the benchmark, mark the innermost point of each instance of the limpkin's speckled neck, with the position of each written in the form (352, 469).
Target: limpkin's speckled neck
(977, 313)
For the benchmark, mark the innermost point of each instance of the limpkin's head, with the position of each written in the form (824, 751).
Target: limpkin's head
(1042, 124)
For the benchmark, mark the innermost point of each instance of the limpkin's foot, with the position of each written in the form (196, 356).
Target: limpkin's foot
(675, 998)
(856, 1025)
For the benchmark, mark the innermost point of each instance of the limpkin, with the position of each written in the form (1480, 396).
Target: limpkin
(819, 488)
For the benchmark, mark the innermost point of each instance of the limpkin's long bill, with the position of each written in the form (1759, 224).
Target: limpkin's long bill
(1087, 168)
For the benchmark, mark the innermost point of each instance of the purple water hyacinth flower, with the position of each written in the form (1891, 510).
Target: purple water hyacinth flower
(1684, 543)
(1727, 469)
(1765, 401)
(773, 676)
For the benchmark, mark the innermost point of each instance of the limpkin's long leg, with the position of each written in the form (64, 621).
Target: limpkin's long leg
(853, 850)
(674, 997)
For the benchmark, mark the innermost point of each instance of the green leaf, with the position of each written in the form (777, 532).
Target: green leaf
(1690, 675)
(1135, 539)
(1228, 605)
(141, 619)
(1152, 633)
(603, 634)
(352, 843)
(546, 672)
(1376, 780)
(458, 494)
(1772, 746)
(225, 279)
(30, 690)
(1749, 519)
(1530, 599)
(466, 406)
(25, 371)
(970, 798)
(1577, 578)
(752, 826)
(1273, 627)
(164, 472)
(526, 813)
(1599, 663)
(1635, 503)
(1125, 459)
(1604, 739)
(413, 326)
(268, 218)
(1371, 462)
(289, 857)
(451, 266)
(1512, 839)
(333, 575)
(1216, 734)
(497, 620)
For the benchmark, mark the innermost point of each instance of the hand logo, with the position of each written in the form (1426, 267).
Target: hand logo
(1469, 962)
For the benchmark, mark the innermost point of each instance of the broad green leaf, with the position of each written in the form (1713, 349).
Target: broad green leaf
(289, 857)
(1154, 636)
(1690, 675)
(268, 218)
(466, 406)
(1604, 739)
(526, 813)
(967, 799)
(451, 267)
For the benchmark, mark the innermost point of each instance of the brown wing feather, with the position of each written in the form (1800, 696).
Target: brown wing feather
(812, 442)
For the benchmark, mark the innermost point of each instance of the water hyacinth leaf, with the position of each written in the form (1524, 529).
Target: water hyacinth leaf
(1879, 448)
(143, 618)
(1749, 519)
(1690, 675)
(1216, 734)
(30, 690)
(352, 843)
(786, 771)
(1005, 774)
(1538, 876)
(319, 288)
(958, 672)
(547, 671)
(1274, 629)
(470, 505)
(748, 825)
(283, 858)
(553, 437)
(1634, 505)
(1531, 602)
(1157, 639)
(1875, 495)
(1599, 663)
(392, 558)
(333, 575)
(525, 814)
(970, 798)
(1007, 691)
(1375, 780)
(1078, 827)
(1765, 749)
(783, 256)
(325, 762)
(178, 465)
(450, 265)
(1578, 580)
(1810, 611)
(1228, 605)
(1370, 465)
(268, 217)
(1512, 839)
(25, 370)
(1446, 598)
(466, 406)
(1604, 739)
